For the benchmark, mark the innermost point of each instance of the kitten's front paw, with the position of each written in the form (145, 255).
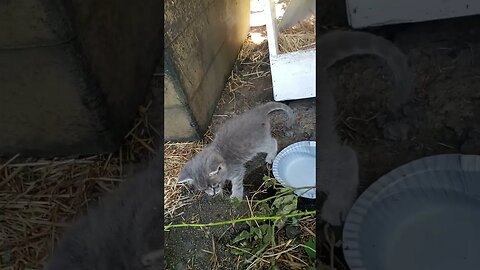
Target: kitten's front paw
(236, 196)
(269, 160)
(219, 193)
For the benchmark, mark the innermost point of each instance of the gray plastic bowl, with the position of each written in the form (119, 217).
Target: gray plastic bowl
(295, 167)
(423, 215)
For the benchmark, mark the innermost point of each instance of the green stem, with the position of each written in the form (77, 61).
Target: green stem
(167, 227)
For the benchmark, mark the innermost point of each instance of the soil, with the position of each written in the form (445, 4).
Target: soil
(441, 118)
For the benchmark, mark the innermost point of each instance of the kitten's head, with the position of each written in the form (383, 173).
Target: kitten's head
(206, 171)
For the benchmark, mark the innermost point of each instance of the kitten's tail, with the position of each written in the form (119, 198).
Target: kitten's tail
(275, 106)
(337, 45)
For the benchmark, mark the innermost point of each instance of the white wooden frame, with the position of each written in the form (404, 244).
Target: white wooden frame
(367, 13)
(293, 73)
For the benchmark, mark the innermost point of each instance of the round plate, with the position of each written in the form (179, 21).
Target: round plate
(422, 215)
(295, 167)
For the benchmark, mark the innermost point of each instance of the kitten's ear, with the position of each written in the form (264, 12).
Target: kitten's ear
(219, 167)
(184, 178)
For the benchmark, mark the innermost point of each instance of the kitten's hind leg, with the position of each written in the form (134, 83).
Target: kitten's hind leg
(271, 148)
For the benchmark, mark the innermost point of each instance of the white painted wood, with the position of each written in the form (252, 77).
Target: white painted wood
(257, 12)
(366, 13)
(271, 24)
(293, 75)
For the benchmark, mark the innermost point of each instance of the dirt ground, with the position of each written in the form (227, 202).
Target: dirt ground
(441, 118)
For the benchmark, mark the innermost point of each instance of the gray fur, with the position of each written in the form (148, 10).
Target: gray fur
(295, 12)
(123, 232)
(337, 168)
(237, 141)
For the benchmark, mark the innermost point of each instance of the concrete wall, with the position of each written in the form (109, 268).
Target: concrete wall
(72, 76)
(202, 41)
(121, 43)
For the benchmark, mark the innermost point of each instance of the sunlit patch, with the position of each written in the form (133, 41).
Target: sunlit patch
(257, 15)
(257, 38)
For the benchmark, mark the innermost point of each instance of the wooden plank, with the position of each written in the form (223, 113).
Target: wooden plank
(271, 23)
(293, 75)
(367, 13)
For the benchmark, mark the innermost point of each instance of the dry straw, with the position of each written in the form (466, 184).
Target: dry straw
(176, 155)
(38, 198)
(299, 37)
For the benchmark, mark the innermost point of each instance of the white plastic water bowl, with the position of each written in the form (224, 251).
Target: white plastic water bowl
(295, 167)
(422, 215)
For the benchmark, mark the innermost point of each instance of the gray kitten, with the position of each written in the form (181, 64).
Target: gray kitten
(237, 141)
(123, 232)
(337, 166)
